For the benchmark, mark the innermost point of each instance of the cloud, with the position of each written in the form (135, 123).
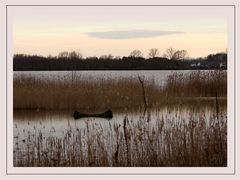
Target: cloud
(131, 34)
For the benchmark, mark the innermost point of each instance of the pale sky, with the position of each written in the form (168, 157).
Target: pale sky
(95, 31)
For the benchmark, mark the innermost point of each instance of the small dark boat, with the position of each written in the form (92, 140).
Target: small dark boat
(107, 115)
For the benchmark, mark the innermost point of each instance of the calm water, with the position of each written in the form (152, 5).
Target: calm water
(55, 123)
(158, 76)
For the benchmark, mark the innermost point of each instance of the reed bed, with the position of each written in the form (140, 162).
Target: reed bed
(197, 84)
(100, 93)
(166, 141)
(121, 93)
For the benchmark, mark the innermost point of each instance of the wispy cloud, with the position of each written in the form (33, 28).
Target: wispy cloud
(131, 34)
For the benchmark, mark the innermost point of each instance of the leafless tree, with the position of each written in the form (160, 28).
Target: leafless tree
(170, 53)
(136, 53)
(173, 54)
(63, 54)
(73, 54)
(153, 52)
(180, 55)
(106, 56)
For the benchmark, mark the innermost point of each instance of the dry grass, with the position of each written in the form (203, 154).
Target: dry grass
(121, 93)
(197, 84)
(167, 141)
(30, 93)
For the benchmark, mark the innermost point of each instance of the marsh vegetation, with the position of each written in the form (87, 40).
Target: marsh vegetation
(193, 139)
(115, 93)
(185, 123)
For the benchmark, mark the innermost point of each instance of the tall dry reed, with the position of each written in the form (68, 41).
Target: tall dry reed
(197, 83)
(120, 93)
(168, 141)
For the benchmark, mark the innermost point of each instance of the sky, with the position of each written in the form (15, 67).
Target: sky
(117, 30)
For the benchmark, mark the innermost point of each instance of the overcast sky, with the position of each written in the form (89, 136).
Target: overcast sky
(95, 31)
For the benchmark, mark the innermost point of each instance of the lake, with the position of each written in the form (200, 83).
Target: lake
(158, 76)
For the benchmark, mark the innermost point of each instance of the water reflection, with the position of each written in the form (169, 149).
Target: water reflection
(57, 122)
(51, 138)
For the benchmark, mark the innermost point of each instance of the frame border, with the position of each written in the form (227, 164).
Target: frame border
(132, 174)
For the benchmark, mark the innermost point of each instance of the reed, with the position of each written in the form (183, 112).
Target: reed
(197, 83)
(167, 141)
(121, 93)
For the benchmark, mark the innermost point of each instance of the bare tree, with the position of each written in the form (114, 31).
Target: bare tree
(184, 54)
(75, 54)
(153, 52)
(170, 53)
(106, 56)
(180, 55)
(136, 54)
(175, 54)
(63, 54)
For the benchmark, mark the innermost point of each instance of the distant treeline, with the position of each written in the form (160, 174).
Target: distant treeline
(23, 62)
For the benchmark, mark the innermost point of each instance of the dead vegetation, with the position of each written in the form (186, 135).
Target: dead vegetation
(121, 93)
(167, 141)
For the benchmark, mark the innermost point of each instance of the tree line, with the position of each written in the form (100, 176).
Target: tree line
(171, 60)
(170, 54)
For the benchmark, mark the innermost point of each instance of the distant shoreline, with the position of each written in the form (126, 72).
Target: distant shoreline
(40, 63)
